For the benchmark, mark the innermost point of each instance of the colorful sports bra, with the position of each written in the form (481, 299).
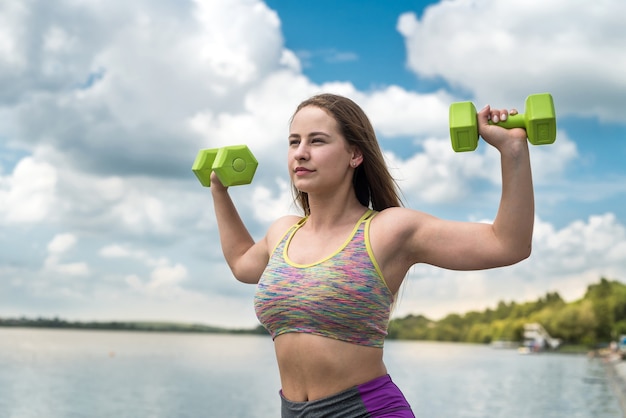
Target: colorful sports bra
(343, 296)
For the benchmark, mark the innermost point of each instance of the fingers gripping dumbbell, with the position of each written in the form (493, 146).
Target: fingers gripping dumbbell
(234, 165)
(539, 120)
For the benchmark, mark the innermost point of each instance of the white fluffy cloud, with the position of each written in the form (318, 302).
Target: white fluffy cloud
(499, 50)
(61, 244)
(27, 194)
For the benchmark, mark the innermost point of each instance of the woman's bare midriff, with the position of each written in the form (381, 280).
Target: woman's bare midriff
(313, 367)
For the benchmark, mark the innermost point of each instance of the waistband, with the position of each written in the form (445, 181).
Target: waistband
(377, 398)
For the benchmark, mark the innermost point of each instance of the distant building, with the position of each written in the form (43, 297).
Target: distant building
(536, 338)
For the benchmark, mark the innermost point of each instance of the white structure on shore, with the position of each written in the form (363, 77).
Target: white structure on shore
(537, 338)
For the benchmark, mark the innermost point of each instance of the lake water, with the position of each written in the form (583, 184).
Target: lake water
(71, 374)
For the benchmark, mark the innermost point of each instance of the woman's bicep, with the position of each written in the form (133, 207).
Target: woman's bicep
(461, 245)
(250, 266)
(253, 262)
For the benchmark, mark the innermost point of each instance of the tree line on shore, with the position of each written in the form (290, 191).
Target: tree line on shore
(148, 326)
(597, 318)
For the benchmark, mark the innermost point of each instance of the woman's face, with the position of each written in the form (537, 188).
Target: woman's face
(319, 157)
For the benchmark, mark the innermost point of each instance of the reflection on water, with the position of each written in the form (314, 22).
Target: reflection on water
(58, 373)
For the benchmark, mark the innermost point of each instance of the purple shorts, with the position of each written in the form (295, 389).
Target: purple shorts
(377, 398)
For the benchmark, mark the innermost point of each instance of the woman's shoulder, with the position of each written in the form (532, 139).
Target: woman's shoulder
(396, 221)
(400, 213)
(286, 221)
(396, 237)
(279, 228)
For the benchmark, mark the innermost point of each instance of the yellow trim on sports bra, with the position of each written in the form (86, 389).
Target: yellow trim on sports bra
(345, 243)
(370, 252)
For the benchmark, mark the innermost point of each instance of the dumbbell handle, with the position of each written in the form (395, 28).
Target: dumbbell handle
(513, 121)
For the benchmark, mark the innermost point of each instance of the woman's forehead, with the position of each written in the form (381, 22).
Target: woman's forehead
(313, 117)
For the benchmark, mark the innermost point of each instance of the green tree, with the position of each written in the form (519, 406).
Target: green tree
(601, 296)
(599, 316)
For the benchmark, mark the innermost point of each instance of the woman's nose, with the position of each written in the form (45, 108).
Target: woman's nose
(301, 152)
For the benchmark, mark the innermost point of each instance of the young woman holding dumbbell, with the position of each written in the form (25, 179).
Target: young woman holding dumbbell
(326, 281)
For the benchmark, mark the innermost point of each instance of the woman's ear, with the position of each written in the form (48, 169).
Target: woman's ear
(357, 158)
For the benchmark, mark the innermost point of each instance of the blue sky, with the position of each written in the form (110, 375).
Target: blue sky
(104, 106)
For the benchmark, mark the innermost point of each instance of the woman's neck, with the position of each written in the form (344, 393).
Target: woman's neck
(334, 212)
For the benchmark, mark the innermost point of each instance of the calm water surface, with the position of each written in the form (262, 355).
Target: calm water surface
(70, 374)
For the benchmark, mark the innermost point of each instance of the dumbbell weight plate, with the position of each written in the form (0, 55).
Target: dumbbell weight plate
(235, 165)
(463, 126)
(203, 165)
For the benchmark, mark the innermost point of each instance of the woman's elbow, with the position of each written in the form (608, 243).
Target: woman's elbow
(245, 274)
(520, 254)
(524, 254)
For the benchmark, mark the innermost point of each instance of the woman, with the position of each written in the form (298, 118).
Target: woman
(326, 281)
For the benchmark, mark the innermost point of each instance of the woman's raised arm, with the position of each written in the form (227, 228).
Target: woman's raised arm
(247, 259)
(422, 238)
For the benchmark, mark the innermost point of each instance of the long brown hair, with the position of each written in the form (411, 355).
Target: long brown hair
(373, 184)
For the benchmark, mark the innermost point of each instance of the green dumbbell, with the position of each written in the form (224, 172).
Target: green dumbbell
(234, 165)
(539, 120)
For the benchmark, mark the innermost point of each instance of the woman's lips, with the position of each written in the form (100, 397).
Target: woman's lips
(302, 171)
